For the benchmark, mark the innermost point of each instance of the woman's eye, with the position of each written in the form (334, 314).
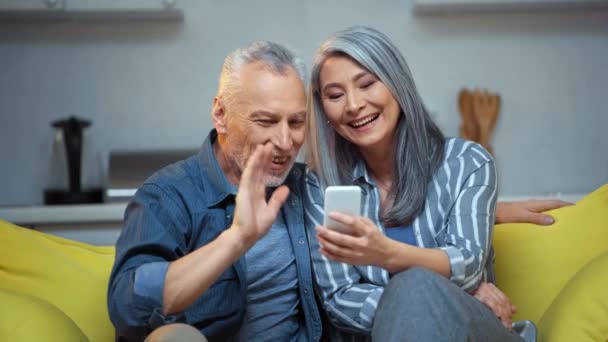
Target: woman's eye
(367, 84)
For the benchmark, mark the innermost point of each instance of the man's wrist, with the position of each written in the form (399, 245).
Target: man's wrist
(237, 241)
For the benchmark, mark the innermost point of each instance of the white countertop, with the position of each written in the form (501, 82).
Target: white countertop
(106, 212)
(113, 212)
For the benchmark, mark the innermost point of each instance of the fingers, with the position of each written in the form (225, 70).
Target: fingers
(544, 205)
(336, 238)
(279, 196)
(338, 253)
(539, 219)
(359, 225)
(251, 165)
(256, 165)
(497, 301)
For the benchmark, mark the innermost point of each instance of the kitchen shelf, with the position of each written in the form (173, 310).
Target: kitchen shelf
(83, 10)
(443, 7)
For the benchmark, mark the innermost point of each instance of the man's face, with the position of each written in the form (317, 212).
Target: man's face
(269, 107)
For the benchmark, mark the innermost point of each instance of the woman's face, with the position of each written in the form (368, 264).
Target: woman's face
(358, 105)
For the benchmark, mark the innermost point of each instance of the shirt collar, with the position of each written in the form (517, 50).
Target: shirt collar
(214, 178)
(360, 174)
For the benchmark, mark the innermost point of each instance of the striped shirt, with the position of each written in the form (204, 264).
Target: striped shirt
(458, 218)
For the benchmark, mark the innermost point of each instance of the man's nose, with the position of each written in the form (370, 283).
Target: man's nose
(283, 139)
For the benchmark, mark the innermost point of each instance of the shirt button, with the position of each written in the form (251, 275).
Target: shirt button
(316, 338)
(305, 291)
(301, 242)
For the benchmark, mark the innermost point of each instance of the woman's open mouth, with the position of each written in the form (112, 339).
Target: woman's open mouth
(364, 122)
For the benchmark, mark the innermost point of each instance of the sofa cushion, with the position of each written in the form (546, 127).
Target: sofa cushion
(70, 275)
(27, 318)
(534, 263)
(580, 311)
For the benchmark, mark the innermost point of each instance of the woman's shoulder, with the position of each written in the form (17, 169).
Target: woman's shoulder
(457, 149)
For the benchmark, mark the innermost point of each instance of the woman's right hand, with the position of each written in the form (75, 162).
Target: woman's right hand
(497, 301)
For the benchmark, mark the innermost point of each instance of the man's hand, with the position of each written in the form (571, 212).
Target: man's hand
(253, 215)
(497, 301)
(527, 211)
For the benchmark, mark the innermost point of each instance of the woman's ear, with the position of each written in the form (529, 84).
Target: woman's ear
(218, 115)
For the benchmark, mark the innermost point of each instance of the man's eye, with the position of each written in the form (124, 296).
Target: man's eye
(264, 122)
(334, 96)
(297, 123)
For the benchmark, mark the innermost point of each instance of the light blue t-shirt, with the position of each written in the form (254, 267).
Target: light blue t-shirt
(403, 234)
(273, 310)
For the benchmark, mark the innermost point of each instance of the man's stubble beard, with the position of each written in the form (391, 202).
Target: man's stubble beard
(240, 157)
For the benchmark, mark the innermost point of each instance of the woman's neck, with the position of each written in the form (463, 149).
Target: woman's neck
(380, 162)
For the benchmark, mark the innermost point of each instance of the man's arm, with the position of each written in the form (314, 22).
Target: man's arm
(190, 276)
(154, 278)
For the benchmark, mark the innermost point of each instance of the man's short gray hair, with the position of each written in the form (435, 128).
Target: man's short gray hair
(275, 56)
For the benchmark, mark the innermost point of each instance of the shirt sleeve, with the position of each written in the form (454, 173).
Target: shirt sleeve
(467, 241)
(349, 300)
(153, 235)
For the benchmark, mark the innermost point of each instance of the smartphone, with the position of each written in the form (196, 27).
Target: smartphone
(343, 199)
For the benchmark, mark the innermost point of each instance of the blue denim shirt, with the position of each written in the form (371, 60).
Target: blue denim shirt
(179, 209)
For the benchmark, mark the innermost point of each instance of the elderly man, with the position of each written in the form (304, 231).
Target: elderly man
(228, 264)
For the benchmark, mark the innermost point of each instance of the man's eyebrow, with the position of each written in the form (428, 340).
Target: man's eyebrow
(265, 113)
(258, 113)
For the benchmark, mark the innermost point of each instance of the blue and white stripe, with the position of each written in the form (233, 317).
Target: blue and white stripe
(457, 217)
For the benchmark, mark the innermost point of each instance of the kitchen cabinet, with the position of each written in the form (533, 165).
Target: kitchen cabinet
(442, 7)
(77, 10)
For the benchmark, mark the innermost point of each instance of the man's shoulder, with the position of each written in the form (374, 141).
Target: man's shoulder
(175, 174)
(180, 180)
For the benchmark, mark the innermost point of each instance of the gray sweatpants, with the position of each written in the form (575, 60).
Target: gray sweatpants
(420, 305)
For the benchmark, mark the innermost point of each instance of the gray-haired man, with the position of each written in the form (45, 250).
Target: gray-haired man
(204, 243)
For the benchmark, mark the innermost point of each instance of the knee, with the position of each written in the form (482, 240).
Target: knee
(414, 279)
(177, 332)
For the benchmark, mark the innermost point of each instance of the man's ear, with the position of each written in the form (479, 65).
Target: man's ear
(218, 115)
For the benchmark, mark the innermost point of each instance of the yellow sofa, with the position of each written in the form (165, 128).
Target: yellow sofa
(53, 289)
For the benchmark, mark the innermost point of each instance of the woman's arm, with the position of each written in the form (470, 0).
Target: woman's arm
(350, 294)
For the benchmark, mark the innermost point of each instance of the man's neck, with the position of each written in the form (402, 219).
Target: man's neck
(231, 170)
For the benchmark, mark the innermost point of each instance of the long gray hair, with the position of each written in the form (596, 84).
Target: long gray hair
(419, 143)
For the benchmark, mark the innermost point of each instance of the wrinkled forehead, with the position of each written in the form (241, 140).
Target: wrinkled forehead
(262, 88)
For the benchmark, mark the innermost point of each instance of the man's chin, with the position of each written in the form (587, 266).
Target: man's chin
(274, 180)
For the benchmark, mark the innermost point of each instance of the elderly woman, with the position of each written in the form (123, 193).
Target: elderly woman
(408, 267)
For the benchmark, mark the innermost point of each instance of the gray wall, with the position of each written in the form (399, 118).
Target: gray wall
(150, 85)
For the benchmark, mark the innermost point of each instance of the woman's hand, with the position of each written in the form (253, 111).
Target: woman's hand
(497, 301)
(366, 245)
(527, 211)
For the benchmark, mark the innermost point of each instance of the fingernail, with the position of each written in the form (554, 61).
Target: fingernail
(548, 220)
